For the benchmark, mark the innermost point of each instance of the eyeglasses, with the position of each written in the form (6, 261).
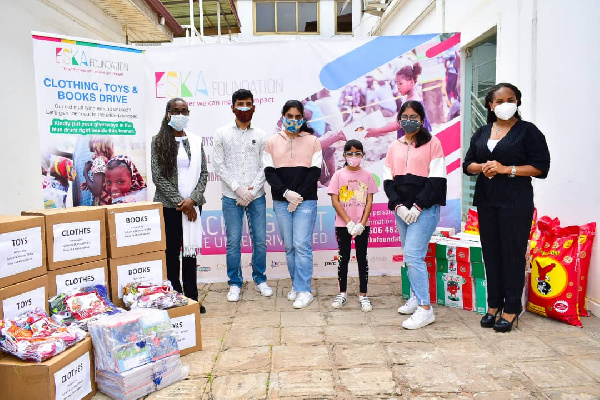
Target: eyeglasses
(354, 154)
(405, 117)
(177, 112)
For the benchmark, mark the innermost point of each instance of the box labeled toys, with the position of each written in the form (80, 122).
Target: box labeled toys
(186, 324)
(24, 296)
(73, 235)
(135, 228)
(455, 291)
(66, 376)
(87, 274)
(22, 249)
(150, 268)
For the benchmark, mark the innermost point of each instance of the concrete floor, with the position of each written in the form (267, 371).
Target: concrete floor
(262, 348)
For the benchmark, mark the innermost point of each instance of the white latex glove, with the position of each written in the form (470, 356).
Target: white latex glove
(293, 197)
(292, 207)
(402, 212)
(358, 229)
(240, 202)
(350, 226)
(413, 215)
(244, 194)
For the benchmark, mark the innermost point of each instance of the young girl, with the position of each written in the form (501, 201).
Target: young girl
(94, 170)
(351, 191)
(123, 181)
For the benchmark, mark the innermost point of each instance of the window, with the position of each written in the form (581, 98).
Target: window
(343, 23)
(480, 75)
(286, 17)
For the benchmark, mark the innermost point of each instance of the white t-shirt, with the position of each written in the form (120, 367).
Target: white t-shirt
(491, 144)
(183, 162)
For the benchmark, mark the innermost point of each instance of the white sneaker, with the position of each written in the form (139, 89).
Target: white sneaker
(410, 306)
(234, 293)
(420, 318)
(291, 296)
(365, 303)
(339, 300)
(264, 289)
(303, 299)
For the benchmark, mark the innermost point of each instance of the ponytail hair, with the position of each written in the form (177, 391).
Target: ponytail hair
(410, 72)
(297, 104)
(423, 136)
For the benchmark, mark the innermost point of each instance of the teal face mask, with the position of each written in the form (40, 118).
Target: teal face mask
(292, 125)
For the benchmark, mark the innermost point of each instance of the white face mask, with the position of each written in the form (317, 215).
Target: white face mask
(505, 111)
(179, 122)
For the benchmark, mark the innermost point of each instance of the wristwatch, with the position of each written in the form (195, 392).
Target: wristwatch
(513, 172)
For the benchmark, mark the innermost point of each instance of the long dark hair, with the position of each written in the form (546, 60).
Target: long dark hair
(165, 145)
(423, 136)
(489, 97)
(297, 104)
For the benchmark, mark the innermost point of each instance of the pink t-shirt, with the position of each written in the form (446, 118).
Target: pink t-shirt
(352, 188)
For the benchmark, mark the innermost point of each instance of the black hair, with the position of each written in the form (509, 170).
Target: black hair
(165, 145)
(423, 136)
(489, 97)
(241, 94)
(113, 164)
(297, 104)
(410, 72)
(357, 144)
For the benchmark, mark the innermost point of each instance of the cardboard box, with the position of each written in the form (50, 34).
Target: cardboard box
(445, 232)
(86, 274)
(24, 296)
(66, 376)
(186, 323)
(454, 267)
(459, 250)
(480, 295)
(432, 283)
(147, 268)
(22, 249)
(455, 291)
(135, 228)
(73, 235)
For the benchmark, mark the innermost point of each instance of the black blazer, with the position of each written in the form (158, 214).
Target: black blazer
(524, 144)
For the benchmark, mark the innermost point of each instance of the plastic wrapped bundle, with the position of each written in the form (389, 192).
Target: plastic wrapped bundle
(131, 339)
(139, 295)
(140, 381)
(34, 336)
(81, 305)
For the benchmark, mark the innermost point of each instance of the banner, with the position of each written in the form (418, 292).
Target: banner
(90, 99)
(351, 88)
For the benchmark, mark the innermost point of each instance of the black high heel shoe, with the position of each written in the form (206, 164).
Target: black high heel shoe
(504, 326)
(488, 320)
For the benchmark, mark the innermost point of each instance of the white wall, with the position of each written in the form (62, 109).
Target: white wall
(20, 162)
(548, 48)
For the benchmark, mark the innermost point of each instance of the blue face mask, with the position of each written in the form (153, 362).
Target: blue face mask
(292, 125)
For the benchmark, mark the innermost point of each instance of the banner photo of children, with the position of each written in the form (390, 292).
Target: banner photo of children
(351, 89)
(91, 121)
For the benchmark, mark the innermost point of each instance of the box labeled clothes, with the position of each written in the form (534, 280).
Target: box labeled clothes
(67, 279)
(131, 339)
(455, 291)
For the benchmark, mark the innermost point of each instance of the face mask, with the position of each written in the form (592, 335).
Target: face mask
(410, 126)
(353, 161)
(243, 114)
(292, 125)
(179, 122)
(505, 111)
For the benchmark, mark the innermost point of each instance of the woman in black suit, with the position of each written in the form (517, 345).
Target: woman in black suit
(505, 154)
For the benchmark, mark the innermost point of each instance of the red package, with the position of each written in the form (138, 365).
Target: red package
(85, 305)
(554, 290)
(472, 225)
(587, 233)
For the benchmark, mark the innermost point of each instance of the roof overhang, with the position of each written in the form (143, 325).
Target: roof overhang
(230, 22)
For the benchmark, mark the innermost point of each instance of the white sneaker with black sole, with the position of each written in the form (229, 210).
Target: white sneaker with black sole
(264, 289)
(339, 301)
(234, 293)
(410, 306)
(420, 318)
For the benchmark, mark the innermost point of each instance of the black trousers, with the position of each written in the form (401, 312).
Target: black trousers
(344, 240)
(504, 232)
(174, 236)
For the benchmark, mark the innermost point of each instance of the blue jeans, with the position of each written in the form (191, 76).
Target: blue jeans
(415, 239)
(296, 231)
(256, 212)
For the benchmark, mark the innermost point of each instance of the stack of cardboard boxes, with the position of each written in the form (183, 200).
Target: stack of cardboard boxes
(136, 247)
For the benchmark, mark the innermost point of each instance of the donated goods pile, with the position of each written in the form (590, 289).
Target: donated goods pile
(63, 272)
